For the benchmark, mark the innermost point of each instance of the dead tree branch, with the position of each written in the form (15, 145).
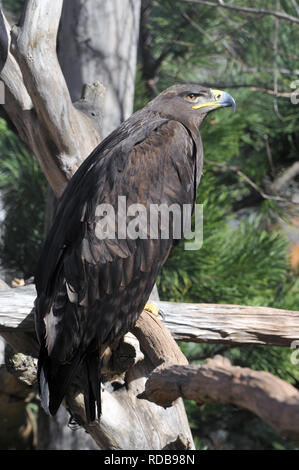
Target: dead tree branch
(251, 183)
(296, 7)
(61, 135)
(276, 402)
(118, 428)
(199, 323)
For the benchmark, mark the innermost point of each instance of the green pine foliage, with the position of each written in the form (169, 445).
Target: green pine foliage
(12, 8)
(23, 190)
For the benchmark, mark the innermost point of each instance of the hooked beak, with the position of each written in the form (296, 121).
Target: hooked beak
(222, 99)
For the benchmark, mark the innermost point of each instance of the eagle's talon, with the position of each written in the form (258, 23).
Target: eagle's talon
(155, 310)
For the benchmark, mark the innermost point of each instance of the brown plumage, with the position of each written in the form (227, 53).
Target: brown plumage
(91, 291)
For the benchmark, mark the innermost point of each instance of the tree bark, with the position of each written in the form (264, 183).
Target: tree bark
(231, 324)
(170, 377)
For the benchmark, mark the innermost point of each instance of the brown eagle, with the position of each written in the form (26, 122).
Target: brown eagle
(91, 289)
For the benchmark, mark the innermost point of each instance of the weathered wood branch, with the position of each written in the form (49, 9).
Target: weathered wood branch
(160, 349)
(270, 398)
(38, 103)
(255, 11)
(61, 135)
(199, 323)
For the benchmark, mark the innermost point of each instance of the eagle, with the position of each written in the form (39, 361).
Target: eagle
(91, 288)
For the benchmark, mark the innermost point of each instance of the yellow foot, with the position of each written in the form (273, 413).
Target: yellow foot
(154, 310)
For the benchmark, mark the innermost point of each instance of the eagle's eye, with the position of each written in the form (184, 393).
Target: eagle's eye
(192, 97)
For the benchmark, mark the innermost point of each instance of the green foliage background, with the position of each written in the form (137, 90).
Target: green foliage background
(245, 255)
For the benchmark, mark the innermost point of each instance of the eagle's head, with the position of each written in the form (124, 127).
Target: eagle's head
(190, 103)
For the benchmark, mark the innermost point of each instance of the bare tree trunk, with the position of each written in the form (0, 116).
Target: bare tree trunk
(98, 41)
